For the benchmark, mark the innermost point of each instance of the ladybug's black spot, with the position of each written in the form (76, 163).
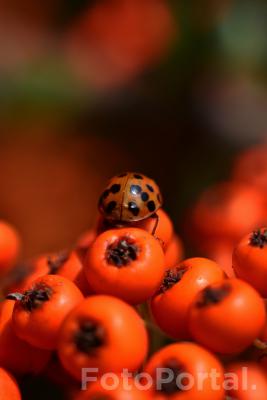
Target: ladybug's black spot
(132, 206)
(137, 176)
(115, 188)
(135, 189)
(105, 194)
(150, 188)
(151, 205)
(122, 175)
(144, 196)
(110, 207)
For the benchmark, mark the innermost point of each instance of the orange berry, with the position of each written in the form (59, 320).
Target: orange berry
(221, 316)
(180, 359)
(170, 306)
(127, 263)
(40, 311)
(228, 210)
(8, 387)
(249, 260)
(16, 355)
(249, 382)
(102, 332)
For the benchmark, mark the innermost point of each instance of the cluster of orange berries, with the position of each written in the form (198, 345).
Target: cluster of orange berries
(229, 210)
(84, 308)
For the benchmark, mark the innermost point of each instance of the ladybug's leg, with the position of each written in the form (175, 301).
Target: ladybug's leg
(156, 223)
(155, 228)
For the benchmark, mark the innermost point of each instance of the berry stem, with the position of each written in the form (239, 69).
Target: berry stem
(15, 296)
(32, 298)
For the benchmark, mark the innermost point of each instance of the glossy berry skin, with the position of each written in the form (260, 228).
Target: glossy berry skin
(170, 306)
(8, 387)
(102, 332)
(40, 311)
(127, 263)
(188, 358)
(130, 197)
(252, 383)
(249, 260)
(227, 317)
(16, 355)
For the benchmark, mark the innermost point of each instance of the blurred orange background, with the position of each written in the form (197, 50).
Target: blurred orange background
(174, 89)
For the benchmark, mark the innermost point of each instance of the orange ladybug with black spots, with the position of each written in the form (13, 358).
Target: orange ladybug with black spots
(130, 197)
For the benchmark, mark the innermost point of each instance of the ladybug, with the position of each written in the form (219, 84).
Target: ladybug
(130, 197)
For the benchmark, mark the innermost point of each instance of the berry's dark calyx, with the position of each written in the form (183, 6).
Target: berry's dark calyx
(211, 296)
(172, 276)
(32, 298)
(89, 337)
(55, 262)
(122, 252)
(175, 384)
(259, 238)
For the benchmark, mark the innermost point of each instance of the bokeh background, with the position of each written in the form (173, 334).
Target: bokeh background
(89, 88)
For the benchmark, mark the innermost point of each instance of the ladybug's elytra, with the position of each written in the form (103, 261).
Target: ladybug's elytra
(130, 197)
